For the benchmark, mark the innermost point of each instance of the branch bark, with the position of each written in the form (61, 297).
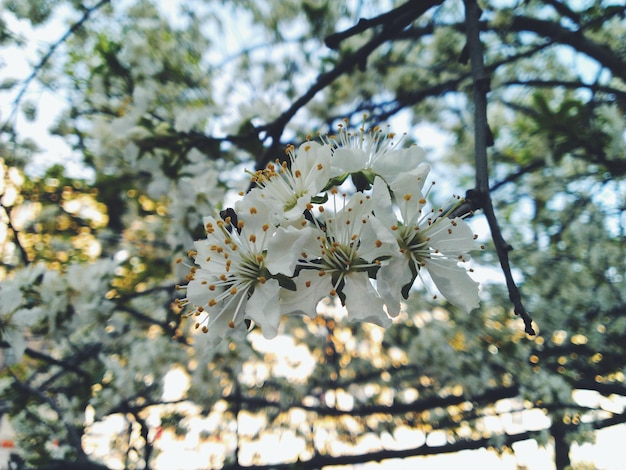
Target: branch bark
(482, 140)
(275, 129)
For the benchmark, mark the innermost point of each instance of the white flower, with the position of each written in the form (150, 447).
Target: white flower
(335, 260)
(289, 188)
(372, 153)
(425, 240)
(231, 282)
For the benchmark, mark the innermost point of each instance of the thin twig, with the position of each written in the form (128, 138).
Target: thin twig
(16, 238)
(47, 56)
(482, 139)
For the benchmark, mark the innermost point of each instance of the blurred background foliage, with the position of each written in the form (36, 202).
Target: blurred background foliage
(156, 108)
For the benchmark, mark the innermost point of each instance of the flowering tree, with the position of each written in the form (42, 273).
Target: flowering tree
(191, 243)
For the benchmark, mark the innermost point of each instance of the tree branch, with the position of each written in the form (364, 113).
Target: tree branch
(483, 139)
(320, 461)
(73, 436)
(576, 39)
(47, 56)
(358, 58)
(363, 25)
(16, 238)
(490, 396)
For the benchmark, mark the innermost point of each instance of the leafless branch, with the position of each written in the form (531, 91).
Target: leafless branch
(16, 238)
(482, 140)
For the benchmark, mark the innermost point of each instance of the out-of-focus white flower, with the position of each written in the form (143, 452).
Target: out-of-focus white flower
(426, 240)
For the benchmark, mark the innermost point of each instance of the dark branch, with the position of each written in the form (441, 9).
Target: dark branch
(16, 238)
(576, 39)
(72, 434)
(490, 396)
(275, 129)
(363, 25)
(320, 461)
(482, 139)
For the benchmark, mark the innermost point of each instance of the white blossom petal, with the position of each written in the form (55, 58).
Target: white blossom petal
(285, 247)
(263, 307)
(383, 208)
(311, 288)
(397, 162)
(390, 279)
(453, 237)
(454, 283)
(348, 160)
(363, 302)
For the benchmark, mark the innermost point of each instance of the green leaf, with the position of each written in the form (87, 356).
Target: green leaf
(319, 199)
(336, 181)
(285, 282)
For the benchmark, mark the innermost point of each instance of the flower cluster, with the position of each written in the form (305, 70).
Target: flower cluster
(304, 233)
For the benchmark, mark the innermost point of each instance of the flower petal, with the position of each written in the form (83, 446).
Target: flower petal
(390, 279)
(452, 237)
(263, 308)
(311, 288)
(349, 160)
(363, 302)
(393, 163)
(376, 240)
(454, 283)
(383, 208)
(221, 317)
(285, 247)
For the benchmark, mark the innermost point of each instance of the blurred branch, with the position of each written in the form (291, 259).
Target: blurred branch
(65, 365)
(363, 25)
(44, 60)
(144, 430)
(537, 164)
(482, 140)
(358, 58)
(562, 9)
(489, 396)
(72, 433)
(620, 95)
(450, 85)
(16, 238)
(165, 325)
(505, 439)
(576, 39)
(458, 445)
